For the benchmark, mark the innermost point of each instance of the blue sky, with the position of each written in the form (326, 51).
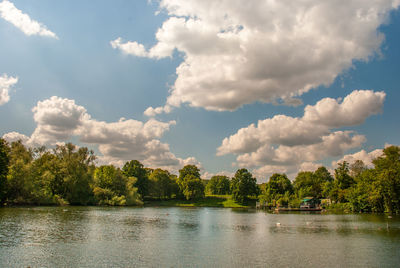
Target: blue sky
(215, 96)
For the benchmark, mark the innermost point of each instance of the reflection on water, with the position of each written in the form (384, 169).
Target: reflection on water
(103, 237)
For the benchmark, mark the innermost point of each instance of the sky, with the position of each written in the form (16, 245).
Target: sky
(271, 86)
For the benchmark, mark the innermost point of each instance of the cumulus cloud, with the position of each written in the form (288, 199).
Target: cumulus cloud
(60, 119)
(15, 136)
(235, 54)
(22, 21)
(361, 155)
(284, 143)
(6, 82)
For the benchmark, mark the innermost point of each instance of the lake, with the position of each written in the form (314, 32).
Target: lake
(200, 237)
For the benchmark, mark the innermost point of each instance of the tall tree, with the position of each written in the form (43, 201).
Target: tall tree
(162, 184)
(342, 175)
(189, 182)
(243, 184)
(4, 162)
(136, 169)
(76, 173)
(388, 170)
(218, 185)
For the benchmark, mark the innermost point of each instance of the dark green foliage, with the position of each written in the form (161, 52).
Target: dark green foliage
(192, 187)
(312, 184)
(162, 184)
(190, 184)
(112, 187)
(4, 162)
(342, 176)
(243, 184)
(189, 170)
(388, 173)
(219, 185)
(136, 169)
(277, 191)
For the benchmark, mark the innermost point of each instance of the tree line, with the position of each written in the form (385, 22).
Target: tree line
(68, 175)
(354, 187)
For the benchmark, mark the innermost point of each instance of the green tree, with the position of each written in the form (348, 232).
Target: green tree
(76, 170)
(19, 174)
(342, 175)
(278, 190)
(189, 182)
(357, 168)
(243, 184)
(189, 170)
(112, 187)
(193, 187)
(162, 184)
(136, 169)
(388, 172)
(323, 175)
(218, 185)
(4, 162)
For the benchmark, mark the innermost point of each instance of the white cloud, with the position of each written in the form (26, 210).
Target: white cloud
(361, 155)
(6, 82)
(151, 112)
(284, 143)
(22, 21)
(235, 54)
(59, 120)
(15, 136)
(353, 110)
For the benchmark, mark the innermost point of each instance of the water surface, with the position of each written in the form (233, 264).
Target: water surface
(200, 237)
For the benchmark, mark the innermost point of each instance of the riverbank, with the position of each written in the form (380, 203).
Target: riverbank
(223, 201)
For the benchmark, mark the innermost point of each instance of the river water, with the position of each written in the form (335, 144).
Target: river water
(194, 237)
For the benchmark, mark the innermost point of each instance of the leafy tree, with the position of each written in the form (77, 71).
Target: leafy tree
(243, 184)
(4, 161)
(193, 187)
(76, 172)
(388, 171)
(162, 184)
(342, 176)
(136, 169)
(323, 175)
(109, 177)
(278, 189)
(189, 170)
(218, 185)
(19, 175)
(189, 182)
(112, 187)
(357, 168)
(312, 184)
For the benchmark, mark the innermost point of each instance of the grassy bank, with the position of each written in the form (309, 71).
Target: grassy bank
(223, 201)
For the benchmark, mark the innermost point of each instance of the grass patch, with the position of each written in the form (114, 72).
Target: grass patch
(223, 201)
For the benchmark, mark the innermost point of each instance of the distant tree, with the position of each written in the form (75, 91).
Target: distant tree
(162, 184)
(243, 184)
(190, 184)
(342, 176)
(112, 187)
(136, 169)
(357, 168)
(76, 167)
(4, 162)
(19, 174)
(277, 190)
(218, 185)
(189, 170)
(388, 172)
(193, 188)
(323, 175)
